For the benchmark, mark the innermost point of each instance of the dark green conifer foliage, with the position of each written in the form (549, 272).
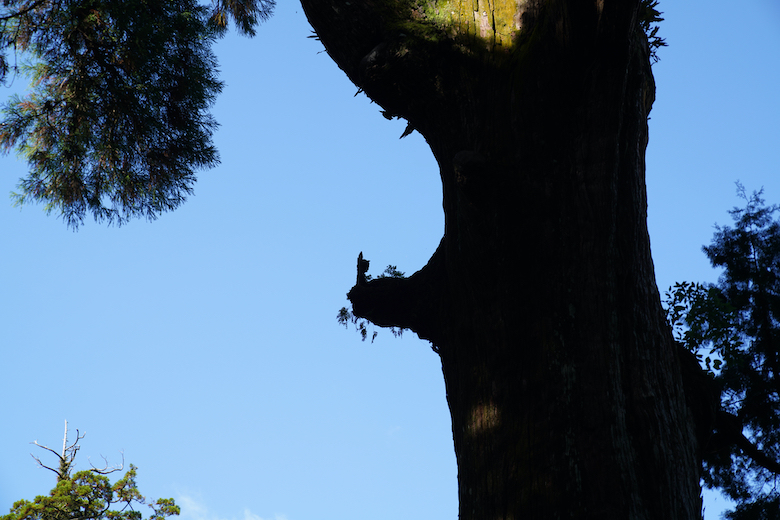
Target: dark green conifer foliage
(116, 122)
(734, 327)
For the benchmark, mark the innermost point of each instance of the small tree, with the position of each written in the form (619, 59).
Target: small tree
(88, 494)
(734, 329)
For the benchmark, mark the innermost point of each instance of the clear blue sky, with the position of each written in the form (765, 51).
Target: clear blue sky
(205, 345)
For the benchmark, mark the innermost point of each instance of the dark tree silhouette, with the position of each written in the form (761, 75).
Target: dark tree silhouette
(562, 378)
(734, 328)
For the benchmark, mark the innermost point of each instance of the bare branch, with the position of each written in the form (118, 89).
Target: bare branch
(67, 456)
(73, 447)
(45, 448)
(41, 464)
(65, 438)
(106, 469)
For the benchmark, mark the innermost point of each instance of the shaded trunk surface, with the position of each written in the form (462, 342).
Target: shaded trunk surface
(561, 376)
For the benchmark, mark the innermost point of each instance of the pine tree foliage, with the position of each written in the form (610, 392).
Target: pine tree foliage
(246, 14)
(89, 494)
(116, 122)
(736, 325)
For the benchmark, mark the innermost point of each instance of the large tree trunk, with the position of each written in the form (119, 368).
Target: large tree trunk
(561, 376)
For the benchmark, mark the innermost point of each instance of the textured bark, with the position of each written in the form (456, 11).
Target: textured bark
(562, 379)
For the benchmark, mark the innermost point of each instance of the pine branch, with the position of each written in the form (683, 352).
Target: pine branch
(731, 426)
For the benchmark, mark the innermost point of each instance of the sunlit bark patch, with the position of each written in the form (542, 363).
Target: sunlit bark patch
(484, 417)
(494, 21)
